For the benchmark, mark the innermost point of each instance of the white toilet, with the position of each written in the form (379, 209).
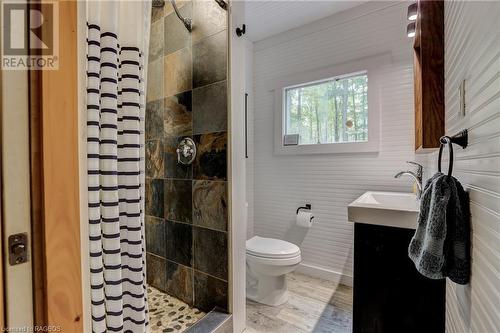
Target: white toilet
(268, 261)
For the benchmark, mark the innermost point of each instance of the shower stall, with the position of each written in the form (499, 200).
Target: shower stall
(186, 140)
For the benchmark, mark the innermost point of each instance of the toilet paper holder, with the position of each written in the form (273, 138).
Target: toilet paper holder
(307, 207)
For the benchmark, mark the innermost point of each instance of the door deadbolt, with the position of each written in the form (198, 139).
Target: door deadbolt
(18, 252)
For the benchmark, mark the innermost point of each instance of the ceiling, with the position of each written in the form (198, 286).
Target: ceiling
(267, 18)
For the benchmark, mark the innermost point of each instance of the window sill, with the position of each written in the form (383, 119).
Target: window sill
(329, 148)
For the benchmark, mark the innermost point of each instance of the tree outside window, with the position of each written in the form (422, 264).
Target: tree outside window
(330, 111)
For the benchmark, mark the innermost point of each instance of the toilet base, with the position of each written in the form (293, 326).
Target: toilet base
(268, 290)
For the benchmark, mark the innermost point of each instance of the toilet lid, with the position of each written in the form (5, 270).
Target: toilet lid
(271, 248)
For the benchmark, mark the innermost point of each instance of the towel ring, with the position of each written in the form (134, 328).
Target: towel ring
(446, 140)
(460, 139)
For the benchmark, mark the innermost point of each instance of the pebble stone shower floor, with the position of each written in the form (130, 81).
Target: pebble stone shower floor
(169, 314)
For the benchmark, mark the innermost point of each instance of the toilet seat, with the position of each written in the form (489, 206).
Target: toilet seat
(273, 261)
(270, 248)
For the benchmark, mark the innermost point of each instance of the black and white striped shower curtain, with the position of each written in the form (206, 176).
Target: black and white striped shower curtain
(116, 52)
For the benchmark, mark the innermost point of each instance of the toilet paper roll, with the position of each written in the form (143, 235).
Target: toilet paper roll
(304, 219)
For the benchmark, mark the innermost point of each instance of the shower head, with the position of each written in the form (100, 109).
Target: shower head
(158, 3)
(186, 21)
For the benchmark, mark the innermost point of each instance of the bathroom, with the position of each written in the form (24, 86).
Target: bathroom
(250, 166)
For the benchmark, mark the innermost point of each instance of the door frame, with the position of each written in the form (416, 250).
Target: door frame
(55, 171)
(40, 153)
(2, 296)
(61, 188)
(17, 301)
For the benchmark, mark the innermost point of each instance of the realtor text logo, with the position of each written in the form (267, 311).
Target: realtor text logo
(30, 35)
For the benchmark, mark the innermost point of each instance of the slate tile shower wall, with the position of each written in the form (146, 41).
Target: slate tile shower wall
(186, 206)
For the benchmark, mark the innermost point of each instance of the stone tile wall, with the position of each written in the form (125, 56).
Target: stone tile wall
(186, 206)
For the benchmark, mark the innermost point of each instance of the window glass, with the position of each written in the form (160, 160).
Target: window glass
(329, 111)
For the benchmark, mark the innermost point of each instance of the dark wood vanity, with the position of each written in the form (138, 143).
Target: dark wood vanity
(390, 296)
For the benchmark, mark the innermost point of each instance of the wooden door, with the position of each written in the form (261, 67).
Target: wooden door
(16, 217)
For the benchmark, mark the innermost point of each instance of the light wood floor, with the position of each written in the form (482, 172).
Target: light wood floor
(314, 305)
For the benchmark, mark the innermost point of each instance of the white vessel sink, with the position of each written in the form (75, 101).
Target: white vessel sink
(393, 209)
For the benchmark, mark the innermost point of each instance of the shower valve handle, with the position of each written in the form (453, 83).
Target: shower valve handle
(185, 150)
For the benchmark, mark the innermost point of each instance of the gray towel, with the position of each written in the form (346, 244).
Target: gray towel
(441, 245)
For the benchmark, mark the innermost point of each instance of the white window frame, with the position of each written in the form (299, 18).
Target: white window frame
(369, 66)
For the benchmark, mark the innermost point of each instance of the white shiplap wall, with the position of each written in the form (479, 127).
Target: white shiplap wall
(331, 182)
(472, 52)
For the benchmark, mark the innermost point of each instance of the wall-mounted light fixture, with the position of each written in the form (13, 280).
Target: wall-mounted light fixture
(410, 29)
(412, 12)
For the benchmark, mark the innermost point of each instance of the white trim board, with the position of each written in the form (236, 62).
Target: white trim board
(237, 169)
(325, 274)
